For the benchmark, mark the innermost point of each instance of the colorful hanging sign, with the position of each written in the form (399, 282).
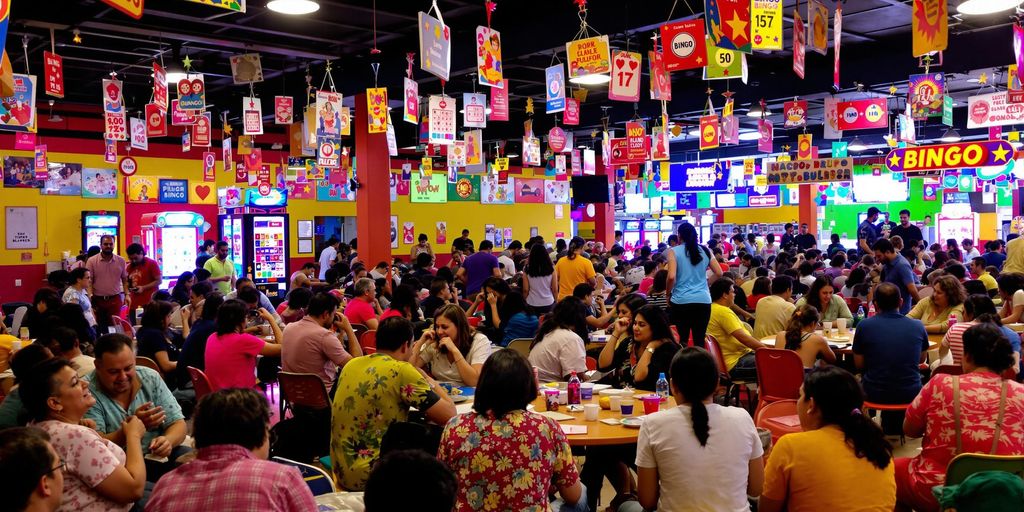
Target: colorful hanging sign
(822, 170)
(411, 106)
(950, 156)
(625, 84)
(863, 114)
(284, 109)
(435, 45)
(638, 145)
(156, 121)
(799, 43)
(924, 94)
(192, 92)
(442, 120)
(457, 155)
(947, 110)
(432, 189)
(346, 122)
(181, 117)
(474, 110)
(724, 64)
(992, 109)
(661, 81)
(554, 99)
(173, 192)
(831, 123)
(817, 18)
(138, 131)
(488, 57)
(252, 116)
(186, 141)
(795, 113)
(728, 24)
(128, 166)
(465, 188)
(42, 170)
(571, 117)
(837, 35)
(730, 128)
(53, 74)
(766, 19)
(231, 5)
(328, 114)
(114, 119)
(159, 86)
(246, 68)
(202, 131)
(709, 132)
(804, 142)
(557, 139)
(697, 177)
(683, 45)
(1018, 53)
(930, 26)
(377, 109)
(659, 144)
(588, 56)
(132, 8)
(474, 147)
(227, 154)
(329, 154)
(766, 134)
(209, 166)
(499, 102)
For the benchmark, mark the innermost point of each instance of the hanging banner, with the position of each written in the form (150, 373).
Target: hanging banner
(831, 124)
(625, 74)
(840, 149)
(767, 133)
(457, 155)
(950, 156)
(837, 35)
(109, 151)
(138, 129)
(804, 142)
(156, 121)
(53, 74)
(794, 113)
(411, 107)
(392, 140)
(572, 112)
(42, 169)
(284, 109)
(863, 114)
(474, 110)
(488, 57)
(499, 102)
(114, 119)
(730, 129)
(682, 45)
(181, 117)
(231, 5)
(531, 151)
(442, 120)
(377, 109)
(924, 94)
(474, 147)
(709, 132)
(724, 64)
(638, 145)
(557, 139)
(186, 141)
(992, 109)
(252, 116)
(132, 8)
(192, 92)
(728, 24)
(817, 18)
(328, 114)
(226, 154)
(209, 166)
(554, 78)
(329, 154)
(246, 68)
(697, 177)
(947, 110)
(659, 144)
(1018, 53)
(930, 26)
(822, 170)
(766, 29)
(202, 131)
(346, 122)
(588, 56)
(435, 46)
(661, 81)
(159, 86)
(799, 43)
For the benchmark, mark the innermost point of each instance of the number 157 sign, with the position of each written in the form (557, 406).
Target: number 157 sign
(625, 84)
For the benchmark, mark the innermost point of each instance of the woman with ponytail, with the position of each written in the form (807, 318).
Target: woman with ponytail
(800, 337)
(574, 269)
(689, 296)
(840, 445)
(699, 455)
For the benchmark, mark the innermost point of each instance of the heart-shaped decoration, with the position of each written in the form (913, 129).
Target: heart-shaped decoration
(633, 64)
(202, 191)
(620, 62)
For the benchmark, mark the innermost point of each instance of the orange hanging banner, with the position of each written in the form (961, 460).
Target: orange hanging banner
(930, 26)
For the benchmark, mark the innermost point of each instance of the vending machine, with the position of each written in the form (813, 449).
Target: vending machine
(95, 225)
(172, 239)
(257, 234)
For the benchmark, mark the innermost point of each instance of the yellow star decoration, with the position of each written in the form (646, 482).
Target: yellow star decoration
(983, 79)
(1000, 154)
(786, 147)
(529, 105)
(894, 161)
(593, 134)
(892, 90)
(226, 129)
(187, 63)
(737, 25)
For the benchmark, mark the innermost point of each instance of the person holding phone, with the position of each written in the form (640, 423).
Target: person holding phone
(453, 350)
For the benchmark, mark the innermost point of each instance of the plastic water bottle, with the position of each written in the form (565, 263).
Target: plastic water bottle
(662, 387)
(574, 389)
(952, 320)
(859, 316)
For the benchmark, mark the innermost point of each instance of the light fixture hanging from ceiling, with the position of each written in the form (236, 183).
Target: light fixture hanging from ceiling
(982, 7)
(293, 7)
(951, 135)
(856, 145)
(755, 111)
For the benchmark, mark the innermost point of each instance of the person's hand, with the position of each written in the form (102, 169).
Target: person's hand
(264, 314)
(152, 416)
(252, 330)
(492, 299)
(340, 320)
(426, 338)
(160, 446)
(86, 422)
(621, 325)
(133, 428)
(447, 343)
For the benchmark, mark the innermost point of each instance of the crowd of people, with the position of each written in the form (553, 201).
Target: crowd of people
(91, 429)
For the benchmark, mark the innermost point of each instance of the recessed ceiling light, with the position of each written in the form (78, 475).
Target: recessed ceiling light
(980, 7)
(293, 7)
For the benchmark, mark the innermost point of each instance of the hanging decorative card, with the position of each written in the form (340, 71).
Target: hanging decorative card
(313, 171)
(499, 102)
(442, 120)
(433, 189)
(99, 183)
(143, 189)
(625, 74)
(728, 24)
(377, 109)
(493, 192)
(156, 121)
(557, 139)
(924, 94)
(231, 5)
(181, 117)
(930, 26)
(24, 141)
(474, 147)
(408, 233)
(328, 154)
(588, 56)
(730, 129)
(589, 162)
(202, 131)
(346, 121)
(709, 134)
(947, 110)
(683, 45)
(110, 151)
(457, 154)
(794, 113)
(201, 193)
(465, 188)
(554, 78)
(284, 109)
(186, 141)
(62, 180)
(529, 190)
(907, 131)
(724, 64)
(252, 116)
(392, 140)
(661, 81)
(474, 110)
(959, 155)
(138, 131)
(209, 166)
(659, 144)
(766, 29)
(992, 109)
(114, 119)
(817, 18)
(53, 74)
(531, 151)
(571, 117)
(192, 92)
(488, 57)
(831, 123)
(411, 106)
(804, 143)
(246, 68)
(40, 163)
(226, 154)
(435, 45)
(333, 192)
(328, 114)
(799, 43)
(765, 130)
(837, 35)
(159, 86)
(638, 145)
(556, 192)
(863, 114)
(441, 232)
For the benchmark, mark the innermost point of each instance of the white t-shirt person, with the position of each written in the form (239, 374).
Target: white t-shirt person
(326, 260)
(557, 355)
(445, 370)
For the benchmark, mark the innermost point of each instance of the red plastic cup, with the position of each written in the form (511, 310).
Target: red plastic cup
(651, 404)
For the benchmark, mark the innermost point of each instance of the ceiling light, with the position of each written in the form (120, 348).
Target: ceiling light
(750, 136)
(174, 78)
(694, 132)
(293, 7)
(856, 145)
(973, 80)
(512, 155)
(980, 7)
(592, 79)
(951, 135)
(755, 111)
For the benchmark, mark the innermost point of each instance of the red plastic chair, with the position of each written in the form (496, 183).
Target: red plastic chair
(369, 350)
(368, 339)
(474, 321)
(591, 363)
(853, 303)
(359, 329)
(675, 332)
(732, 388)
(200, 382)
(873, 406)
(780, 373)
(778, 417)
(120, 324)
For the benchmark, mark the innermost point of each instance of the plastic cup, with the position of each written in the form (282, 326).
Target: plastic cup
(626, 407)
(590, 411)
(826, 327)
(563, 397)
(587, 391)
(651, 404)
(841, 324)
(551, 399)
(614, 401)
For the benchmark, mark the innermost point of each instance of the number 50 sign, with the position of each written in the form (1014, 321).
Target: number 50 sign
(625, 84)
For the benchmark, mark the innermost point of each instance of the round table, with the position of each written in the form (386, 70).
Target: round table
(601, 434)
(845, 342)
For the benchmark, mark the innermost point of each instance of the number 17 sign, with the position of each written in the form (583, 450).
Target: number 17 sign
(625, 84)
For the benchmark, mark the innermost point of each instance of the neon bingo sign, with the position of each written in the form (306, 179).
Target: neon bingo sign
(950, 156)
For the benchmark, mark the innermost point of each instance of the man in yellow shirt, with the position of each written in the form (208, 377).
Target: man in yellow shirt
(736, 343)
(978, 269)
(1014, 255)
(222, 269)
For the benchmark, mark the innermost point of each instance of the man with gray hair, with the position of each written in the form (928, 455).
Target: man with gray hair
(364, 308)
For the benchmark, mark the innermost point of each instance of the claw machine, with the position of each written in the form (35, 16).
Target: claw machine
(98, 224)
(630, 237)
(172, 239)
(257, 234)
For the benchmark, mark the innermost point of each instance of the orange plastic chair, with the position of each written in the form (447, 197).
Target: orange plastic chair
(200, 382)
(148, 363)
(873, 406)
(591, 363)
(780, 373)
(368, 339)
(779, 417)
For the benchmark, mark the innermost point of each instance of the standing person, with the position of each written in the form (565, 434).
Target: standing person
(109, 282)
(144, 278)
(422, 246)
(222, 269)
(867, 232)
(910, 234)
(477, 267)
(541, 283)
(788, 238)
(31, 469)
(205, 252)
(574, 268)
(463, 243)
(805, 240)
(897, 271)
(327, 257)
(77, 293)
(690, 300)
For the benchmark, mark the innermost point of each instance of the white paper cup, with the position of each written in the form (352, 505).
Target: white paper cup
(590, 411)
(826, 327)
(613, 402)
(563, 397)
(841, 324)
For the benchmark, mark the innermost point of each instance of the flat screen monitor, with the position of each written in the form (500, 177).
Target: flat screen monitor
(589, 189)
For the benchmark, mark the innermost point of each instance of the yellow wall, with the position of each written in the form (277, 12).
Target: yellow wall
(761, 215)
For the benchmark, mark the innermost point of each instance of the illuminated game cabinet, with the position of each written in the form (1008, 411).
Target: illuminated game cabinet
(172, 239)
(257, 234)
(95, 225)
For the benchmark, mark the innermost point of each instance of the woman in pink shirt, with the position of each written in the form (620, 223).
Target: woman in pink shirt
(231, 353)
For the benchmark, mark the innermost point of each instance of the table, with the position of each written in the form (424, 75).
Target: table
(845, 343)
(600, 434)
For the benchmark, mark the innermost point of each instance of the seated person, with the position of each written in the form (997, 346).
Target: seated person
(193, 351)
(314, 344)
(153, 340)
(453, 350)
(231, 352)
(428, 483)
(232, 435)
(515, 318)
(403, 303)
(256, 323)
(32, 471)
(598, 315)
(12, 410)
(772, 313)
(363, 308)
(64, 344)
(736, 343)
(558, 348)
(245, 282)
(645, 356)
(189, 314)
(946, 300)
(441, 293)
(295, 306)
(822, 297)
(800, 337)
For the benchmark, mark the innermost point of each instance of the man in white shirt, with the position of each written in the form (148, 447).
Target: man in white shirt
(970, 251)
(327, 257)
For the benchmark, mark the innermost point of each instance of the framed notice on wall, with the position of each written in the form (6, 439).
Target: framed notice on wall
(22, 227)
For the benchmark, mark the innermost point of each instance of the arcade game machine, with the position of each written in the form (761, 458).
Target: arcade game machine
(172, 239)
(97, 224)
(257, 233)
(630, 236)
(667, 228)
(652, 232)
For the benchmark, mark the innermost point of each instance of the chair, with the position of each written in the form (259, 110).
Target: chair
(778, 418)
(966, 464)
(19, 317)
(591, 363)
(780, 373)
(318, 480)
(123, 326)
(521, 345)
(302, 389)
(369, 350)
(948, 369)
(200, 382)
(368, 339)
(148, 363)
(359, 329)
(853, 303)
(732, 387)
(873, 406)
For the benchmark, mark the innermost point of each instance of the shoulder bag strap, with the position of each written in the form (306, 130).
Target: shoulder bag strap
(956, 412)
(999, 420)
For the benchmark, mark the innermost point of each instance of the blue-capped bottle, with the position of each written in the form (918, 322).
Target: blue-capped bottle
(662, 387)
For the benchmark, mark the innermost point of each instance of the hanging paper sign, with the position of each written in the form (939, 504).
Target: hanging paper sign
(683, 45)
(181, 117)
(457, 154)
(241, 174)
(588, 56)
(554, 78)
(709, 134)
(202, 131)
(132, 8)
(435, 46)
(728, 24)
(840, 149)
(730, 129)
(837, 35)
(263, 180)
(766, 134)
(474, 110)
(328, 156)
(697, 177)
(109, 151)
(659, 143)
(557, 140)
(572, 112)
(252, 116)
(501, 164)
(283, 109)
(346, 121)
(575, 163)
(231, 5)
(863, 114)
(499, 102)
(766, 24)
(159, 86)
(625, 73)
(115, 123)
(226, 154)
(209, 165)
(24, 141)
(803, 146)
(20, 108)
(924, 94)
(823, 170)
(831, 124)
(947, 110)
(186, 141)
(474, 147)
(589, 162)
(638, 145)
(531, 151)
(246, 68)
(724, 64)
(42, 170)
(992, 109)
(53, 74)
(488, 57)
(794, 113)
(1018, 53)
(661, 81)
(377, 109)
(192, 92)
(442, 120)
(328, 114)
(817, 16)
(950, 156)
(930, 26)
(139, 139)
(156, 121)
(411, 107)
(799, 43)
(128, 166)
